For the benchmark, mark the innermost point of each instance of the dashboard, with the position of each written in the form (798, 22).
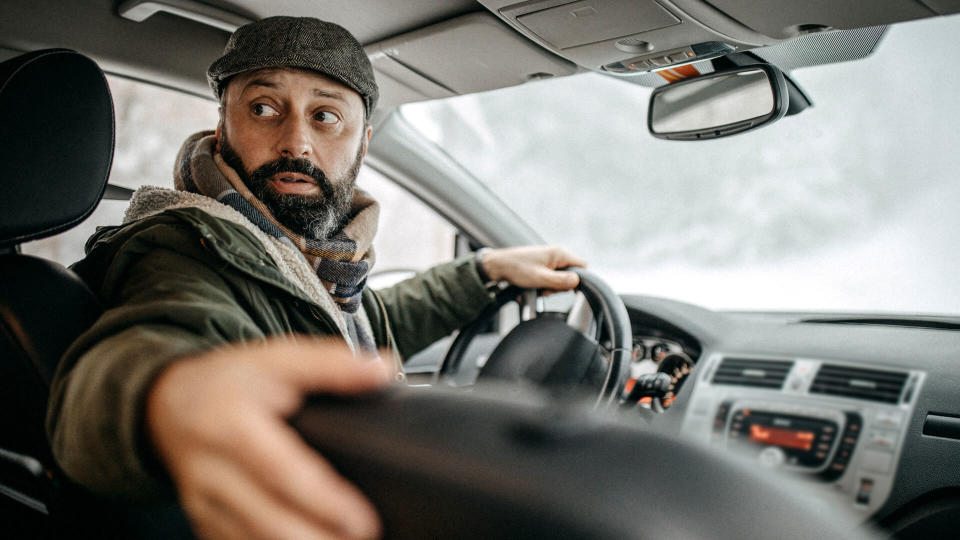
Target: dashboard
(868, 413)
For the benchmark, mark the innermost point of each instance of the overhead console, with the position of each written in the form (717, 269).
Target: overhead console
(628, 36)
(635, 36)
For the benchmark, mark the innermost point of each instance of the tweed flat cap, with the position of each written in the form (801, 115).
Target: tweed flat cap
(300, 42)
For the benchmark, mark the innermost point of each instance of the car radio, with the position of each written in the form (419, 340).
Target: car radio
(819, 441)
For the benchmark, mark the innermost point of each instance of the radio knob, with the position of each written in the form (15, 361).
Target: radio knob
(772, 457)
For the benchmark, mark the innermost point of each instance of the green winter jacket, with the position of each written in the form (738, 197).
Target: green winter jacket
(182, 281)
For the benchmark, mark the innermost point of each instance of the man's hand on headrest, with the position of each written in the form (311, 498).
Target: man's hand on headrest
(533, 267)
(218, 423)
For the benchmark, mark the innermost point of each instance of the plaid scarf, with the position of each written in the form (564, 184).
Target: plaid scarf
(342, 261)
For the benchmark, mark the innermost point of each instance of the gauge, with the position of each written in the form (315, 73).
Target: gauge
(659, 351)
(639, 351)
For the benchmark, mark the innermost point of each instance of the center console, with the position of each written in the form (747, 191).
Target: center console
(837, 424)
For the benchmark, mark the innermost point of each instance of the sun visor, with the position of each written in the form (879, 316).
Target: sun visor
(471, 53)
(785, 19)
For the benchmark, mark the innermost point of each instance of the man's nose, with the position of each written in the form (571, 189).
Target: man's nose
(294, 141)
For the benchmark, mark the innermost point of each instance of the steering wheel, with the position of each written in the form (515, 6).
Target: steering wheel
(550, 352)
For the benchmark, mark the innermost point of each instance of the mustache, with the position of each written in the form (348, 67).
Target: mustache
(294, 165)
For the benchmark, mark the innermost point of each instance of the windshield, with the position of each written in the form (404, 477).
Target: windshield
(847, 206)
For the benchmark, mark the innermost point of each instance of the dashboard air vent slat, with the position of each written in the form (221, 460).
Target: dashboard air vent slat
(870, 384)
(752, 372)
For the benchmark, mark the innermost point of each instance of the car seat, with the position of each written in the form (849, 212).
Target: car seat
(57, 133)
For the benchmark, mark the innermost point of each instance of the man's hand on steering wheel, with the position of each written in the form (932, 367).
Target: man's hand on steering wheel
(549, 351)
(533, 267)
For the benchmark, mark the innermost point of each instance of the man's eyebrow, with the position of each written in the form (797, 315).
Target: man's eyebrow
(329, 94)
(262, 82)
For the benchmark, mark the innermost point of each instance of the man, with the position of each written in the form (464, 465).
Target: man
(214, 290)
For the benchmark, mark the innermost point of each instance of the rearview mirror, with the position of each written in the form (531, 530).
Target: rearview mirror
(718, 104)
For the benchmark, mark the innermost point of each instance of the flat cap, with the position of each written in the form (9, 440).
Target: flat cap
(298, 42)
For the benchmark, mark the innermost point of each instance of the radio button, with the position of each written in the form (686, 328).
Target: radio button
(863, 494)
(772, 456)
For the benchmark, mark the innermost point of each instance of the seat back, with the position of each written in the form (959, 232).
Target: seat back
(56, 148)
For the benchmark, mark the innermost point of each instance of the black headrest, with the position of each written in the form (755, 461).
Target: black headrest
(56, 142)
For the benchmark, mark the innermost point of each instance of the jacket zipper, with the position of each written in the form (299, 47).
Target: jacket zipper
(391, 343)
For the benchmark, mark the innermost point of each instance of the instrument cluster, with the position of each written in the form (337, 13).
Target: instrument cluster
(653, 354)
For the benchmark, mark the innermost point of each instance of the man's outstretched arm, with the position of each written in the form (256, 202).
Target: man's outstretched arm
(154, 402)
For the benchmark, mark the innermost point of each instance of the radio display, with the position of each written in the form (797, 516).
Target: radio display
(805, 441)
(785, 438)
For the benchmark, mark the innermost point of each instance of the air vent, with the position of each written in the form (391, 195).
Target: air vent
(752, 372)
(871, 384)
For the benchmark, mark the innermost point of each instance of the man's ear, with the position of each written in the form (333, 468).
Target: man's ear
(218, 133)
(366, 140)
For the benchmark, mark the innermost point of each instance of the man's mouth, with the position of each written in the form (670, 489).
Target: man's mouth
(292, 177)
(292, 182)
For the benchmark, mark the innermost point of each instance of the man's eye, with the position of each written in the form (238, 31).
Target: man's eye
(262, 109)
(325, 117)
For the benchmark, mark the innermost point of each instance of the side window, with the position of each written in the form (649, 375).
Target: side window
(411, 236)
(152, 123)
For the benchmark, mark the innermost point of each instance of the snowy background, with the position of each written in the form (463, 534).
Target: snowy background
(850, 205)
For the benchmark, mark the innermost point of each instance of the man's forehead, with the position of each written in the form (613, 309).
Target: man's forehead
(281, 77)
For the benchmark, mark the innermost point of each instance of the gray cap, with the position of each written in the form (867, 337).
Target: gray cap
(300, 42)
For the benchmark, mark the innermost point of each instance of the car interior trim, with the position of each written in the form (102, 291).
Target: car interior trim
(140, 10)
(944, 426)
(402, 154)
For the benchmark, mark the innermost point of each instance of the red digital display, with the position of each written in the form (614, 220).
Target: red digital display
(787, 438)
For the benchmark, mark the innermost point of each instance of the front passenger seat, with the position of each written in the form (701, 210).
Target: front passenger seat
(56, 149)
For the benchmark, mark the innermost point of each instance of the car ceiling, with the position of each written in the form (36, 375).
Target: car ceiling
(424, 49)
(369, 20)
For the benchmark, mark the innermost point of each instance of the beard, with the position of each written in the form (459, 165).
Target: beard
(317, 216)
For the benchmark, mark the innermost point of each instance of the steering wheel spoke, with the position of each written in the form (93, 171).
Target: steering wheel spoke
(552, 352)
(532, 305)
